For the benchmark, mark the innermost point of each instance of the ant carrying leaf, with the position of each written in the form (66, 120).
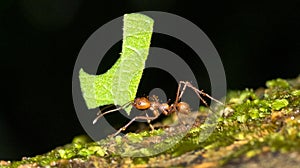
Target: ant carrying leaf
(152, 104)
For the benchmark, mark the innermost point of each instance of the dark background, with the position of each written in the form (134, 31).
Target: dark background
(40, 40)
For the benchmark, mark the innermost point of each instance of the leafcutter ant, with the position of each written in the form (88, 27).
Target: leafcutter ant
(152, 104)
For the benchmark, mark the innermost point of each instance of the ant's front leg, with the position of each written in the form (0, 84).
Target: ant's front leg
(99, 114)
(132, 120)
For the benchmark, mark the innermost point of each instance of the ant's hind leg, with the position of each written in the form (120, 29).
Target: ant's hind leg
(198, 92)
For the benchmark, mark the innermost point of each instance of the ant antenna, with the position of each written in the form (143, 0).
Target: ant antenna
(110, 111)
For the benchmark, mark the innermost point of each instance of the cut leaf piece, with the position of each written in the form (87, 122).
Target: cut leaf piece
(120, 83)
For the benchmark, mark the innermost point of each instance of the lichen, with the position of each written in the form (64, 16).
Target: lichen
(253, 124)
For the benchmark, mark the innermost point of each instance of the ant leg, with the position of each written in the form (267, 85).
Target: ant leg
(183, 89)
(192, 87)
(201, 98)
(154, 98)
(132, 120)
(103, 109)
(203, 93)
(198, 92)
(110, 111)
(177, 94)
(151, 126)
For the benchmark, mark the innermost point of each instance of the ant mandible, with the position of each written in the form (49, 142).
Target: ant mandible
(144, 103)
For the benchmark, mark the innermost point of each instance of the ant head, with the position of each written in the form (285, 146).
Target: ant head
(141, 103)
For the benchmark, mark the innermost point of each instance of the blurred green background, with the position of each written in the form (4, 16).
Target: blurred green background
(40, 41)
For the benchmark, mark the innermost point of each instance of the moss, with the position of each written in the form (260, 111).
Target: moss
(278, 104)
(252, 124)
(277, 83)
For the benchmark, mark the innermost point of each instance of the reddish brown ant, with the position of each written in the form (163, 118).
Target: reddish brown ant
(144, 103)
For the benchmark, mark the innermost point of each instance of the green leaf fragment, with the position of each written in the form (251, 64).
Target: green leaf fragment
(120, 83)
(136, 43)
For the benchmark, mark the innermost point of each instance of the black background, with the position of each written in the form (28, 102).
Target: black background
(40, 41)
